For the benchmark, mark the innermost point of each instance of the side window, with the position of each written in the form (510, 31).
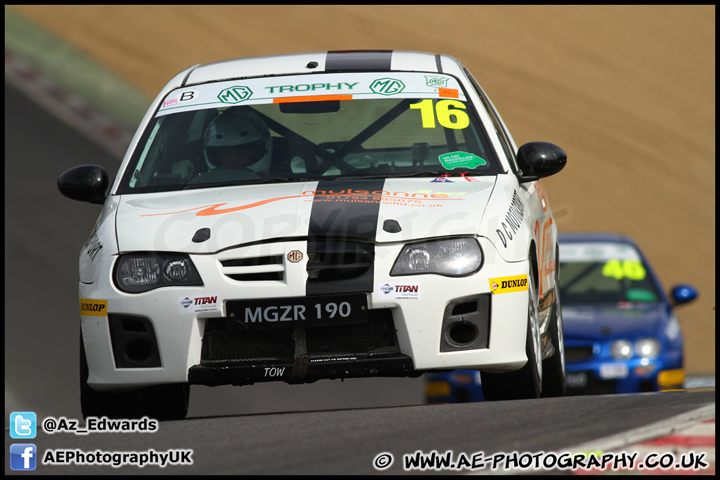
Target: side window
(499, 130)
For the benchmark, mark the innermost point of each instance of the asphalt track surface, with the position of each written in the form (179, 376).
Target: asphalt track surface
(324, 428)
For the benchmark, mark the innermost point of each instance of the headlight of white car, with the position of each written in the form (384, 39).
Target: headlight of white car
(647, 348)
(621, 349)
(141, 272)
(454, 257)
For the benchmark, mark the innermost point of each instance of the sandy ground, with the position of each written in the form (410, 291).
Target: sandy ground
(627, 91)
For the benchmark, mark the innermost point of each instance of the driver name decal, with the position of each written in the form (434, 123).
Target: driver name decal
(93, 245)
(513, 220)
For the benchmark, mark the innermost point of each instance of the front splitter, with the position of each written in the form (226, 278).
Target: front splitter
(303, 370)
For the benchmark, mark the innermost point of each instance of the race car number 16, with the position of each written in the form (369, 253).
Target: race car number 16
(454, 118)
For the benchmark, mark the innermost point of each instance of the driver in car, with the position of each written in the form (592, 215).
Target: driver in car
(238, 140)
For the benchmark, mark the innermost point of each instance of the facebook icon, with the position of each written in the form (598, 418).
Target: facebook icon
(23, 456)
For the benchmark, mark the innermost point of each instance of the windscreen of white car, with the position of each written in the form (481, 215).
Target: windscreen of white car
(601, 273)
(311, 127)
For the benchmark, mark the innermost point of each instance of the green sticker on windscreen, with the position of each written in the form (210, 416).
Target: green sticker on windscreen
(461, 160)
(640, 295)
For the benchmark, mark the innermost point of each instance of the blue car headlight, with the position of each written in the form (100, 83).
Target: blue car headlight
(142, 272)
(621, 349)
(643, 348)
(647, 348)
(453, 257)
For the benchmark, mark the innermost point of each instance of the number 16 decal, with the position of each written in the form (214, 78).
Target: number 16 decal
(454, 117)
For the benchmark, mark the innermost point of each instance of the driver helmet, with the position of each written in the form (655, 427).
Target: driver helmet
(238, 138)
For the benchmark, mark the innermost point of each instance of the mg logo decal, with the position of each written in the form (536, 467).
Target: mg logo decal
(387, 86)
(235, 94)
(295, 256)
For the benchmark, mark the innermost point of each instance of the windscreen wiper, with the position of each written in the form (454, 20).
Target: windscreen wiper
(423, 173)
(243, 182)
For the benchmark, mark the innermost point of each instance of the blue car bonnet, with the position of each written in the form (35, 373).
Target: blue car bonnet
(612, 321)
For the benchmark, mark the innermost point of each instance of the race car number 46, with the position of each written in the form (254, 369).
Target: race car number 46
(297, 312)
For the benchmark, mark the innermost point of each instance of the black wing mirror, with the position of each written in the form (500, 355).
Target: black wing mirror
(539, 159)
(86, 183)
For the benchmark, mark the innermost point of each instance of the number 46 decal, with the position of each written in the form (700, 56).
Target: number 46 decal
(632, 269)
(454, 117)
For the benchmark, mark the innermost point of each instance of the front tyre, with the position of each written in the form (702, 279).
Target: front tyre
(165, 402)
(104, 404)
(554, 367)
(160, 402)
(526, 382)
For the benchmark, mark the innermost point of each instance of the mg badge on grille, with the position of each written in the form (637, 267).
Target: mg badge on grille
(295, 256)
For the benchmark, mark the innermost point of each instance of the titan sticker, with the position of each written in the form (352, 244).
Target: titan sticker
(399, 291)
(95, 308)
(517, 283)
(202, 304)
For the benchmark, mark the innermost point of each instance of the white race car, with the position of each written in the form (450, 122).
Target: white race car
(314, 216)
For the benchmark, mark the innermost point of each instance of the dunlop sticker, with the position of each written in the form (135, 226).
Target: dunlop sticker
(96, 308)
(517, 283)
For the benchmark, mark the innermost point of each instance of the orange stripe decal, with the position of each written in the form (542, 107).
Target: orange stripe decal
(208, 210)
(213, 209)
(312, 98)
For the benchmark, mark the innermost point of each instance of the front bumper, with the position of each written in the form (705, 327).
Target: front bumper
(601, 374)
(448, 323)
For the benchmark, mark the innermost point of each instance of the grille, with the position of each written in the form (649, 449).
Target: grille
(575, 354)
(256, 346)
(255, 268)
(373, 337)
(226, 341)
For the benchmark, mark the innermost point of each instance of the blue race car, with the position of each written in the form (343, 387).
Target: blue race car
(621, 334)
